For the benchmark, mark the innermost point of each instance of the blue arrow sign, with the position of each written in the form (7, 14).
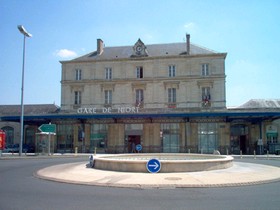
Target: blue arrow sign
(138, 147)
(153, 165)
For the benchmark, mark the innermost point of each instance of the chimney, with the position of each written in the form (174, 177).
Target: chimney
(188, 36)
(100, 46)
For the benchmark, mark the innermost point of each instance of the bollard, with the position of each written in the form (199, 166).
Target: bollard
(267, 154)
(254, 154)
(240, 154)
(189, 151)
(94, 151)
(76, 151)
(227, 151)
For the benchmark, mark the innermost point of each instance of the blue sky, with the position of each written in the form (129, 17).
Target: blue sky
(247, 30)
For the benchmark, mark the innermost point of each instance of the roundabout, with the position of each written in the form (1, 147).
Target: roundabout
(166, 162)
(239, 174)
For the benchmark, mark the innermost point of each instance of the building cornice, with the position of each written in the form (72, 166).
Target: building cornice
(223, 55)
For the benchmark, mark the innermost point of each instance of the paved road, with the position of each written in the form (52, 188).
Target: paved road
(21, 190)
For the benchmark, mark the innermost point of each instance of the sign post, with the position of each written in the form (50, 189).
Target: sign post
(47, 128)
(50, 129)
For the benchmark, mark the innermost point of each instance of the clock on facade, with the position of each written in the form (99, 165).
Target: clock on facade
(138, 48)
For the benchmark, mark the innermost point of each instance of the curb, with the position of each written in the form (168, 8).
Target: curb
(100, 178)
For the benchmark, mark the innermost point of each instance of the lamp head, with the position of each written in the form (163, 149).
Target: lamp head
(23, 31)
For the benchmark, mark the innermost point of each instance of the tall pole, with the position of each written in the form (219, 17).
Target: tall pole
(22, 105)
(25, 34)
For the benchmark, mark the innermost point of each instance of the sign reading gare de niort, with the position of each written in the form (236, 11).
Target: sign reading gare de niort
(94, 110)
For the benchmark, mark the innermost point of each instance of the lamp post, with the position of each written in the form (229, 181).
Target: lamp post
(25, 34)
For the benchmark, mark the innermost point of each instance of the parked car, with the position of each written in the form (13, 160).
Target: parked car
(12, 148)
(26, 148)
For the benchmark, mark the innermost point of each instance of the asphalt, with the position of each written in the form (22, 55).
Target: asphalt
(240, 174)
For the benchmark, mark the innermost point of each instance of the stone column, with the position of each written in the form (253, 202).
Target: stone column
(116, 136)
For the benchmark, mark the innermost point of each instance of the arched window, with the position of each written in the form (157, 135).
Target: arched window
(30, 133)
(9, 135)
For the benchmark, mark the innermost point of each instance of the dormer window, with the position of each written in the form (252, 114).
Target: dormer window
(139, 49)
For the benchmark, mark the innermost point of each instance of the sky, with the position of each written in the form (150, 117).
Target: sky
(247, 30)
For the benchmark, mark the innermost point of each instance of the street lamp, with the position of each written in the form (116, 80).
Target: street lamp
(25, 34)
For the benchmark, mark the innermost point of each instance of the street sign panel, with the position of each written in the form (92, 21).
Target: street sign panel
(153, 165)
(47, 128)
(138, 147)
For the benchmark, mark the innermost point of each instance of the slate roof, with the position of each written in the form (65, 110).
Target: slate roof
(261, 104)
(47, 112)
(154, 50)
(31, 109)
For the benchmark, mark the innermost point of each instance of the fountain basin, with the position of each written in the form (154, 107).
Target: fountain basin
(170, 162)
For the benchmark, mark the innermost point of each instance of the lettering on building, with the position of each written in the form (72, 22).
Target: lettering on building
(107, 110)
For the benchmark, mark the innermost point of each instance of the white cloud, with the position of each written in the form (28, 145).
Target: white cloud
(190, 27)
(64, 53)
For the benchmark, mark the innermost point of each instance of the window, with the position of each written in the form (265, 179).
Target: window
(205, 69)
(206, 93)
(206, 97)
(139, 97)
(171, 95)
(139, 72)
(170, 137)
(30, 134)
(171, 71)
(108, 96)
(207, 137)
(64, 137)
(9, 135)
(108, 73)
(78, 97)
(78, 74)
(98, 136)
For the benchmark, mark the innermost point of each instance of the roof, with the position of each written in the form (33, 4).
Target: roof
(261, 104)
(154, 50)
(230, 115)
(254, 109)
(30, 109)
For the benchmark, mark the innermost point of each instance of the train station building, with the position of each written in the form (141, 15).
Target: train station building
(167, 97)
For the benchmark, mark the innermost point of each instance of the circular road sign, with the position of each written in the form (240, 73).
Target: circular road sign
(153, 165)
(138, 147)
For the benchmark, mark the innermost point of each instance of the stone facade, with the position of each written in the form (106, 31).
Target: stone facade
(165, 97)
(154, 78)
(164, 78)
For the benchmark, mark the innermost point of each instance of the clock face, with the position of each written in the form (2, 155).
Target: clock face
(139, 48)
